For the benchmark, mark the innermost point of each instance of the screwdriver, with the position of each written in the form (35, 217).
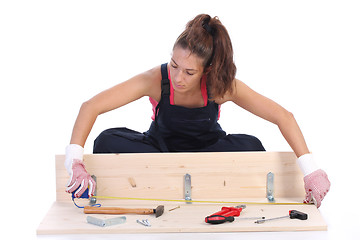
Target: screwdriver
(217, 219)
(292, 214)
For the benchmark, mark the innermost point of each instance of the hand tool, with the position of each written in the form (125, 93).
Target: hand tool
(105, 222)
(251, 218)
(292, 214)
(230, 211)
(84, 195)
(217, 219)
(116, 210)
(226, 214)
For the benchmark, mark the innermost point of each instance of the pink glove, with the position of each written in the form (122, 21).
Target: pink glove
(80, 177)
(317, 185)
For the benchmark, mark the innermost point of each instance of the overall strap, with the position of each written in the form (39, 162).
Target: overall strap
(165, 87)
(165, 83)
(165, 92)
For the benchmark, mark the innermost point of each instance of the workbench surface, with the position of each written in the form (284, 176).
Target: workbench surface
(231, 177)
(65, 218)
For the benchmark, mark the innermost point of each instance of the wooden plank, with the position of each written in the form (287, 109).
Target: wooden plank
(235, 177)
(231, 175)
(65, 218)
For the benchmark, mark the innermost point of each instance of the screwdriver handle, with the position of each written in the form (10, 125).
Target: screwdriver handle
(217, 219)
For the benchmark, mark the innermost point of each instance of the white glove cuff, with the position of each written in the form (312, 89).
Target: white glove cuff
(73, 151)
(307, 164)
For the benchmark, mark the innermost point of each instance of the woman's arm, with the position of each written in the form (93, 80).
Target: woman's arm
(144, 84)
(316, 182)
(269, 110)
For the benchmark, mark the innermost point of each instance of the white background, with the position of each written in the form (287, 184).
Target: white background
(54, 55)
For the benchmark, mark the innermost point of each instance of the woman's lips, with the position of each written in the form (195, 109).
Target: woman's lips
(178, 86)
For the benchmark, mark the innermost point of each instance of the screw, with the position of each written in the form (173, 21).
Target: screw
(144, 222)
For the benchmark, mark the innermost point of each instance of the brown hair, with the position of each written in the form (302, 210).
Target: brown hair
(208, 39)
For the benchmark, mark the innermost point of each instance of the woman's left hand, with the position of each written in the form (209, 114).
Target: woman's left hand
(316, 181)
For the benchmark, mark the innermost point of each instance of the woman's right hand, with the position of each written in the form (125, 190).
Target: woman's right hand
(80, 179)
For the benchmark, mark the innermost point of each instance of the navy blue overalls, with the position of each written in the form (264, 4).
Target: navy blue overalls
(176, 129)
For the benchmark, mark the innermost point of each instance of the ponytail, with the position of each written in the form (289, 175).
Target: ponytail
(208, 39)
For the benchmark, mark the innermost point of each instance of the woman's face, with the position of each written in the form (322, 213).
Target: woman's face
(186, 70)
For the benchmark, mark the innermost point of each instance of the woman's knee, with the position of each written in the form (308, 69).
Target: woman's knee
(254, 143)
(102, 142)
(244, 142)
(122, 140)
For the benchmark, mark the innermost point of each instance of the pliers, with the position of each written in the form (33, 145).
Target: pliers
(226, 214)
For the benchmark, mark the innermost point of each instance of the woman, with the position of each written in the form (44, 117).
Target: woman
(186, 95)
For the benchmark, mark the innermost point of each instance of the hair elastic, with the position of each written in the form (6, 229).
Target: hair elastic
(207, 27)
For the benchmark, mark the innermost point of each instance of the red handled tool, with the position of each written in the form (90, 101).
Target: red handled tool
(226, 214)
(217, 219)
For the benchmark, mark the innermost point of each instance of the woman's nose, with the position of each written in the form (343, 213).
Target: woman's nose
(179, 76)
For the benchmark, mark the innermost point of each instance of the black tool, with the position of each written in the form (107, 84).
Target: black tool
(292, 214)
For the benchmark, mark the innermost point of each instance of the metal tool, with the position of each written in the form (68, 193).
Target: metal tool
(144, 222)
(105, 222)
(116, 210)
(313, 200)
(226, 214)
(292, 214)
(251, 218)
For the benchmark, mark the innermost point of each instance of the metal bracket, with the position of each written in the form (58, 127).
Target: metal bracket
(187, 187)
(92, 199)
(105, 222)
(270, 187)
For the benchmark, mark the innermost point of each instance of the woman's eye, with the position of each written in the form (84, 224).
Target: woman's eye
(173, 66)
(190, 73)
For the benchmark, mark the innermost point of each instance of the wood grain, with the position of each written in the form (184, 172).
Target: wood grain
(235, 177)
(64, 218)
(160, 175)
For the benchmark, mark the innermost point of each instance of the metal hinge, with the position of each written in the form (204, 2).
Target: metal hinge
(270, 187)
(187, 187)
